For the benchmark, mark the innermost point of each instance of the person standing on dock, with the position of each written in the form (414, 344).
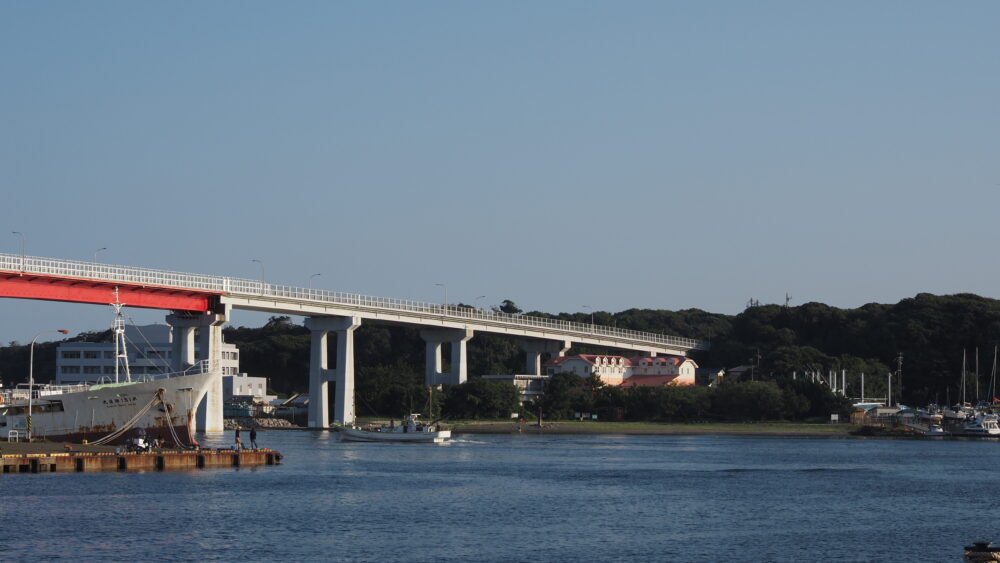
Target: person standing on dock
(238, 444)
(253, 437)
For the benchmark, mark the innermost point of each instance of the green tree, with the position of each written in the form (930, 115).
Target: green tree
(508, 306)
(561, 392)
(481, 398)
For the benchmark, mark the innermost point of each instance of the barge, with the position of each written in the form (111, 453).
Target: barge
(165, 460)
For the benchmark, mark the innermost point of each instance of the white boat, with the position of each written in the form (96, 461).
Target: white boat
(161, 406)
(935, 430)
(982, 425)
(409, 430)
(958, 412)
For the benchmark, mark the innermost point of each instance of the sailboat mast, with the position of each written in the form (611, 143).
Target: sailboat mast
(963, 377)
(993, 376)
(977, 374)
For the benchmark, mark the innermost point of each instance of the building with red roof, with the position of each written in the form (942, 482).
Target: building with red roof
(642, 371)
(611, 369)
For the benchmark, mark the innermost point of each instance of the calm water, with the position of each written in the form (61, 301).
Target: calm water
(527, 498)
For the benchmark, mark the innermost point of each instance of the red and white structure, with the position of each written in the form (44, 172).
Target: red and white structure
(204, 302)
(640, 371)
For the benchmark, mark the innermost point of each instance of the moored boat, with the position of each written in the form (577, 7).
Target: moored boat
(164, 408)
(983, 425)
(409, 430)
(936, 430)
(160, 406)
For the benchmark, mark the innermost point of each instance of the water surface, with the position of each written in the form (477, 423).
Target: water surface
(526, 498)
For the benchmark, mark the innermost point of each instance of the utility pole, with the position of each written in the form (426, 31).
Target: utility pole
(899, 375)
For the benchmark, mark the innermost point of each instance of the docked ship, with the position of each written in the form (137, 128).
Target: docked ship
(158, 406)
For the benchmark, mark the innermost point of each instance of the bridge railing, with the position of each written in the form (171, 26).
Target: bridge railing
(258, 288)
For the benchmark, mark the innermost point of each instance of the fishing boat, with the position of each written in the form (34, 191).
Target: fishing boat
(408, 430)
(160, 406)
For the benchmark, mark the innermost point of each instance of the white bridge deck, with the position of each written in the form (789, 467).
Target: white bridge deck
(258, 295)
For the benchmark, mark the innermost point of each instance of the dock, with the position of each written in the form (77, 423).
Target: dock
(56, 458)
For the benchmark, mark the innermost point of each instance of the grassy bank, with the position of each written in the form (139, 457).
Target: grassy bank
(592, 427)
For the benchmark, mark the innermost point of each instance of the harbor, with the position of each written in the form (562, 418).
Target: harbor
(48, 457)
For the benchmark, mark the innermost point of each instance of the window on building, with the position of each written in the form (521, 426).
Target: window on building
(71, 369)
(92, 369)
(91, 355)
(71, 354)
(109, 355)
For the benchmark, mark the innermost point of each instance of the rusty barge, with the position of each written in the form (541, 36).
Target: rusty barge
(166, 460)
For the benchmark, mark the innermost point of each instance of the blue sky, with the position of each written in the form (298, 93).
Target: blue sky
(663, 155)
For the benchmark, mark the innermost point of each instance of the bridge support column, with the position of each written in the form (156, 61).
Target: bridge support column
(320, 374)
(534, 349)
(208, 417)
(435, 337)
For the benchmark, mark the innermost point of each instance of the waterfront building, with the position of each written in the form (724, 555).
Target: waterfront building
(612, 370)
(654, 371)
(647, 371)
(149, 350)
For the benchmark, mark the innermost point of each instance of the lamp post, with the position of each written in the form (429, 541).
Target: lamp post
(591, 313)
(445, 293)
(311, 279)
(31, 373)
(98, 250)
(22, 246)
(476, 302)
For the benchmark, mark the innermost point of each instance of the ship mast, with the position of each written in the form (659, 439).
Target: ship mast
(118, 332)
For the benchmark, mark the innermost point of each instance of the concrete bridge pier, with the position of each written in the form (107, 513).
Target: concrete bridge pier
(533, 350)
(435, 337)
(320, 374)
(209, 330)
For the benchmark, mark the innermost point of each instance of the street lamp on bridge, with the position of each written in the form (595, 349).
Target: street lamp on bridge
(31, 373)
(445, 286)
(98, 250)
(311, 279)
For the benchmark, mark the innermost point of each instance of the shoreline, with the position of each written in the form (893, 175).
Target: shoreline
(660, 429)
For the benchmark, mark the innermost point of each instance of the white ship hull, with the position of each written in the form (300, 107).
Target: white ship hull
(355, 435)
(95, 411)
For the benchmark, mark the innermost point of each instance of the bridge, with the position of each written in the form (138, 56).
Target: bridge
(205, 302)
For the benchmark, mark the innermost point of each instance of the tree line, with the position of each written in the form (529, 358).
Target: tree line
(929, 332)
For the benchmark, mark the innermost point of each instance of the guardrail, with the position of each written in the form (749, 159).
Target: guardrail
(240, 287)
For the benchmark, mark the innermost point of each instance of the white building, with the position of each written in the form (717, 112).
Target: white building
(662, 370)
(246, 388)
(650, 371)
(149, 352)
(612, 370)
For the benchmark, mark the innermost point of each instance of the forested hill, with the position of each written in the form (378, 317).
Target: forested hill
(929, 331)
